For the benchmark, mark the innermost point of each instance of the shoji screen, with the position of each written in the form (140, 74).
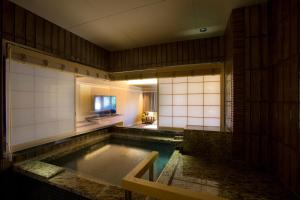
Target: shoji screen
(190, 101)
(40, 103)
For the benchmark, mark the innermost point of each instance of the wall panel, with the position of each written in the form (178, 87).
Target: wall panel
(24, 27)
(30, 29)
(262, 55)
(171, 54)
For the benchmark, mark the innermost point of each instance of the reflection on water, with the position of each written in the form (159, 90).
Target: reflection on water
(111, 161)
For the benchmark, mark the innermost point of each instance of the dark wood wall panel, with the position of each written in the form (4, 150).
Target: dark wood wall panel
(285, 47)
(262, 54)
(2, 92)
(30, 29)
(169, 54)
(228, 76)
(23, 27)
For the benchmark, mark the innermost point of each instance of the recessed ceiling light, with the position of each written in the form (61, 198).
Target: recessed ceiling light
(203, 29)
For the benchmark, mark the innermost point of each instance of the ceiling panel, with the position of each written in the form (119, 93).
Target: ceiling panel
(122, 24)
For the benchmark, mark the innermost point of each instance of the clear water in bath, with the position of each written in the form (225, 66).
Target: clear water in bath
(111, 160)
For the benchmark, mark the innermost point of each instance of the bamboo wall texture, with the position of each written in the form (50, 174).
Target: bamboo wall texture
(24, 27)
(248, 61)
(170, 54)
(228, 74)
(2, 91)
(285, 49)
(265, 65)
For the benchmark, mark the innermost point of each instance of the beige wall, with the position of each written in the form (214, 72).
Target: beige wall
(129, 99)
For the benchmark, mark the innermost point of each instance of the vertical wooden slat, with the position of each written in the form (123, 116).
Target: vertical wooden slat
(30, 29)
(61, 42)
(140, 58)
(203, 50)
(179, 53)
(47, 36)
(169, 54)
(54, 41)
(153, 55)
(82, 52)
(209, 49)
(20, 28)
(68, 45)
(191, 52)
(8, 20)
(164, 54)
(216, 48)
(158, 56)
(136, 58)
(73, 46)
(39, 34)
(197, 51)
(78, 49)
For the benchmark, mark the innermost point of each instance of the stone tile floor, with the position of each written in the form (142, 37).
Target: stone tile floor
(228, 180)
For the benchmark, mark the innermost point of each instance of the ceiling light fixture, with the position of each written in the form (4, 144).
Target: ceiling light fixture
(203, 29)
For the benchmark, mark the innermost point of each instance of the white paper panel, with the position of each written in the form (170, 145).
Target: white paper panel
(212, 111)
(180, 80)
(40, 98)
(212, 99)
(195, 121)
(180, 88)
(22, 68)
(165, 110)
(165, 100)
(195, 88)
(179, 122)
(22, 99)
(179, 111)
(65, 126)
(195, 79)
(22, 82)
(22, 117)
(195, 99)
(212, 78)
(211, 122)
(165, 80)
(189, 95)
(165, 121)
(23, 133)
(179, 99)
(212, 87)
(195, 111)
(165, 88)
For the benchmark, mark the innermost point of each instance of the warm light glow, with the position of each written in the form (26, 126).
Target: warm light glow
(151, 81)
(97, 152)
(150, 114)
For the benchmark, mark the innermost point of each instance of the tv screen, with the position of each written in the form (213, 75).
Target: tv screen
(105, 104)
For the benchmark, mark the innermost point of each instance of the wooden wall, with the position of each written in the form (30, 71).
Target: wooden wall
(285, 46)
(264, 58)
(24, 27)
(228, 74)
(170, 54)
(257, 86)
(248, 61)
(2, 92)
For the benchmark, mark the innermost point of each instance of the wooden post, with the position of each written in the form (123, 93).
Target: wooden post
(151, 172)
(128, 195)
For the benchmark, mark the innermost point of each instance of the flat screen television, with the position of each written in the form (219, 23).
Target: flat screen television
(105, 105)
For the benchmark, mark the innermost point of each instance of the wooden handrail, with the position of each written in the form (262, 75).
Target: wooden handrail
(133, 183)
